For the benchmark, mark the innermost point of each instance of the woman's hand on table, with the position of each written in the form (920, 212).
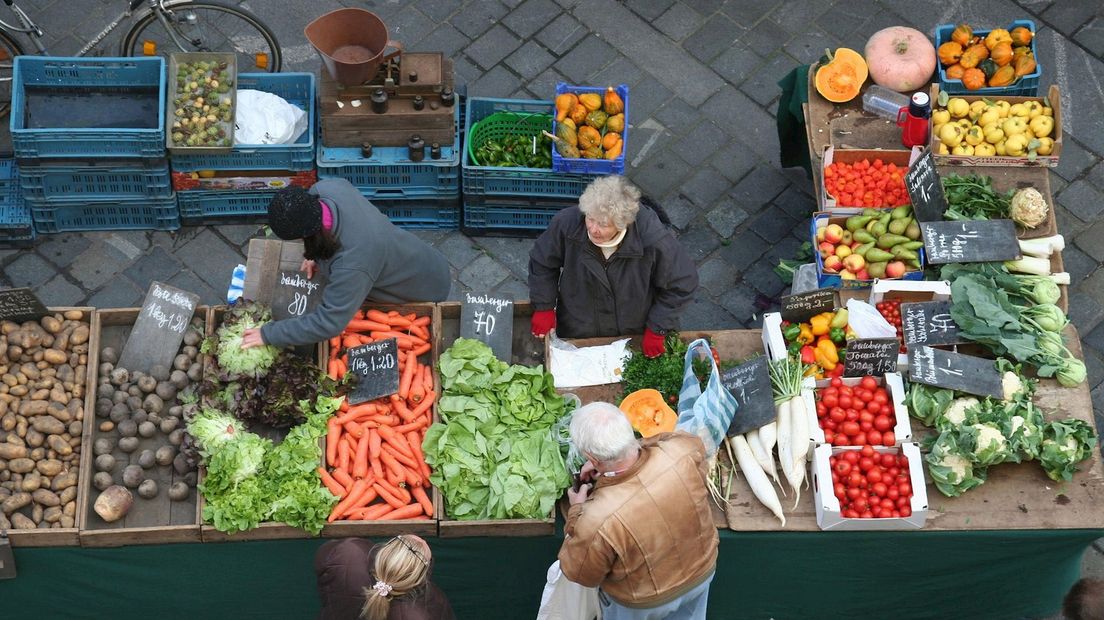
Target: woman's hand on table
(252, 338)
(310, 267)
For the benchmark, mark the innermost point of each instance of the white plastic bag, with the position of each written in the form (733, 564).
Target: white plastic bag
(566, 600)
(579, 367)
(867, 322)
(264, 118)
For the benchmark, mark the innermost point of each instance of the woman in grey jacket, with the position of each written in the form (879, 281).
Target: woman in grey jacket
(364, 255)
(609, 268)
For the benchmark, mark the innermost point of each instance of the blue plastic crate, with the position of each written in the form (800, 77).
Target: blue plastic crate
(203, 205)
(15, 218)
(832, 280)
(594, 166)
(439, 213)
(390, 173)
(299, 90)
(65, 74)
(84, 215)
(1026, 86)
(99, 181)
(536, 182)
(517, 213)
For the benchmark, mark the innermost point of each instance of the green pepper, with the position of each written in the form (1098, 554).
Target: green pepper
(795, 348)
(842, 353)
(837, 335)
(791, 333)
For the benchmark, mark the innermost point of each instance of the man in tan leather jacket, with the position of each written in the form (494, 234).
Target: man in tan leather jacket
(645, 535)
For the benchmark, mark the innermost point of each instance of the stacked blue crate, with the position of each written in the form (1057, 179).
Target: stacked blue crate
(76, 171)
(16, 226)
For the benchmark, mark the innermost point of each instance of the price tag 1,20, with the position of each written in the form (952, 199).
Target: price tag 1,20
(376, 367)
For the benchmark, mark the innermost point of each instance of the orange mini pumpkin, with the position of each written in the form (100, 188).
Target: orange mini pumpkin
(973, 78)
(949, 53)
(955, 72)
(1021, 36)
(1001, 54)
(1003, 76)
(962, 34)
(1024, 65)
(648, 413)
(973, 56)
(996, 37)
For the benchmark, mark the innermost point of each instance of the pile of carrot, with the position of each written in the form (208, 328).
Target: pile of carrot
(374, 460)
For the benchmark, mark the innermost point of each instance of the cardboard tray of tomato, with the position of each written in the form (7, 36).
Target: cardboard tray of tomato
(894, 164)
(829, 515)
(829, 398)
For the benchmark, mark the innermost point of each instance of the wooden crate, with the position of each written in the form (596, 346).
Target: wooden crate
(420, 527)
(68, 537)
(156, 521)
(1052, 98)
(1007, 178)
(527, 349)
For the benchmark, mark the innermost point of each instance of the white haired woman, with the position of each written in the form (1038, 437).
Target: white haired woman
(644, 536)
(608, 268)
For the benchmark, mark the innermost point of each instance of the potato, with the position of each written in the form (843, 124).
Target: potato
(50, 324)
(195, 373)
(80, 335)
(55, 357)
(30, 408)
(46, 497)
(146, 459)
(133, 390)
(31, 482)
(132, 476)
(109, 356)
(134, 403)
(192, 337)
(113, 503)
(139, 416)
(147, 384)
(34, 438)
(127, 428)
(20, 522)
(159, 372)
(153, 403)
(57, 444)
(68, 495)
(15, 502)
(176, 436)
(107, 426)
(165, 391)
(148, 489)
(180, 464)
(179, 378)
(128, 444)
(67, 521)
(120, 376)
(64, 481)
(182, 362)
(105, 462)
(103, 445)
(168, 425)
(147, 429)
(103, 407)
(176, 411)
(102, 480)
(49, 467)
(11, 451)
(48, 425)
(21, 465)
(119, 412)
(38, 454)
(74, 315)
(165, 455)
(52, 514)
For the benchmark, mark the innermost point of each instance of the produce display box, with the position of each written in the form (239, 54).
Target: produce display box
(527, 349)
(906, 291)
(833, 280)
(421, 527)
(175, 60)
(1051, 99)
(63, 180)
(510, 215)
(828, 507)
(437, 213)
(1027, 85)
(156, 521)
(80, 215)
(72, 77)
(902, 430)
(1006, 178)
(69, 537)
(594, 166)
(480, 180)
(390, 173)
(238, 180)
(16, 224)
(297, 89)
(265, 531)
(902, 158)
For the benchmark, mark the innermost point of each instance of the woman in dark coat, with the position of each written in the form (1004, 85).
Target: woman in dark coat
(359, 579)
(609, 268)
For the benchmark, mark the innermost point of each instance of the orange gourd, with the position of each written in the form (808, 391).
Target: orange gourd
(1021, 36)
(1024, 65)
(614, 151)
(579, 114)
(591, 101)
(1003, 76)
(973, 78)
(955, 72)
(610, 139)
(973, 56)
(564, 104)
(840, 79)
(611, 102)
(962, 34)
(949, 53)
(1001, 54)
(616, 123)
(588, 137)
(996, 37)
(648, 413)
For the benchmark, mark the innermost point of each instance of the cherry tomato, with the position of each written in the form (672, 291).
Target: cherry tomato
(906, 511)
(843, 468)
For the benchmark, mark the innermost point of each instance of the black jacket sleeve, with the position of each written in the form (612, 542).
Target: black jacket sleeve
(674, 281)
(545, 261)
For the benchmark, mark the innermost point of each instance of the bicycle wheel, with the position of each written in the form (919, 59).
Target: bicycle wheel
(9, 49)
(205, 26)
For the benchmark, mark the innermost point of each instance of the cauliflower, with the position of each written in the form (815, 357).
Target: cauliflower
(1028, 208)
(956, 413)
(1011, 384)
(952, 471)
(990, 445)
(959, 466)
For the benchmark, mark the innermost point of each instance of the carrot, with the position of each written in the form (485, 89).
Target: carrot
(354, 429)
(331, 368)
(404, 413)
(428, 379)
(333, 435)
(360, 462)
(372, 513)
(335, 344)
(398, 321)
(421, 349)
(383, 335)
(367, 326)
(343, 455)
(419, 331)
(333, 485)
(357, 411)
(415, 441)
(343, 477)
(401, 458)
(389, 494)
(359, 488)
(408, 376)
(368, 497)
(395, 440)
(406, 512)
(421, 321)
(376, 315)
(411, 477)
(374, 443)
(410, 317)
(352, 443)
(413, 426)
(393, 465)
(426, 403)
(417, 386)
(423, 499)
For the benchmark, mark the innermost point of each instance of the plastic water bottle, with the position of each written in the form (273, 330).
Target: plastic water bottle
(884, 102)
(237, 284)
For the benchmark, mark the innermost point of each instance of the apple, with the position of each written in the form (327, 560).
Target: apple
(854, 263)
(833, 233)
(846, 275)
(862, 274)
(833, 264)
(820, 232)
(846, 238)
(826, 249)
(843, 251)
(895, 269)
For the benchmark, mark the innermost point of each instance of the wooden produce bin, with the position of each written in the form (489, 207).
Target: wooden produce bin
(1052, 99)
(420, 527)
(1007, 178)
(153, 521)
(68, 536)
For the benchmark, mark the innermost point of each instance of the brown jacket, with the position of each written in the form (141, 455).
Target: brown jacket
(645, 536)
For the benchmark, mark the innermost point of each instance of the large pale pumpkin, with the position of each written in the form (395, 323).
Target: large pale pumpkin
(900, 58)
(648, 412)
(840, 79)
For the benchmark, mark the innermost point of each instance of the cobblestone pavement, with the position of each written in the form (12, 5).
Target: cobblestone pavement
(702, 75)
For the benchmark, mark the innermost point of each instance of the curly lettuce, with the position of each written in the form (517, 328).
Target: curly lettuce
(234, 361)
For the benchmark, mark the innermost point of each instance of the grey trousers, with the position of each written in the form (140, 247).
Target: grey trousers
(689, 606)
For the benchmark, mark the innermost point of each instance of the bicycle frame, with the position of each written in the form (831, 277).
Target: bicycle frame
(35, 34)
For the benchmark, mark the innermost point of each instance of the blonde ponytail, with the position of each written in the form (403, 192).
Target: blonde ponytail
(399, 570)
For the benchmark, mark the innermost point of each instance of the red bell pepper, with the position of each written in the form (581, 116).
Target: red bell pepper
(808, 355)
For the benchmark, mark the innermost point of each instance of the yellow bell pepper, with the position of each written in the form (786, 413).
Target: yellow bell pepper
(821, 323)
(826, 348)
(806, 335)
(840, 318)
(823, 361)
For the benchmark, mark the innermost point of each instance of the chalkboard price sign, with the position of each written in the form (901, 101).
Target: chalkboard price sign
(871, 356)
(954, 371)
(20, 304)
(750, 384)
(295, 295)
(376, 367)
(159, 328)
(489, 319)
(273, 277)
(928, 323)
(802, 306)
(978, 241)
(925, 189)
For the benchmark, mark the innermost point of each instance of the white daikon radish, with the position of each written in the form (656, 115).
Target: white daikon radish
(766, 459)
(785, 455)
(799, 430)
(786, 377)
(756, 477)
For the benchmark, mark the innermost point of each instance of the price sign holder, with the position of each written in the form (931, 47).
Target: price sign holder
(871, 356)
(802, 306)
(376, 367)
(929, 323)
(490, 319)
(273, 277)
(978, 241)
(159, 328)
(955, 371)
(21, 304)
(750, 384)
(925, 188)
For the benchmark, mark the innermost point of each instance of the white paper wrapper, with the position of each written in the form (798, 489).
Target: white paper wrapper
(580, 367)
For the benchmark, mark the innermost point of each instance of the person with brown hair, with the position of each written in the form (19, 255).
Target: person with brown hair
(1085, 600)
(390, 581)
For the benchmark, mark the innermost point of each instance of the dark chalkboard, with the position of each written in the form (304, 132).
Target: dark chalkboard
(750, 384)
(294, 295)
(955, 371)
(489, 318)
(273, 277)
(871, 356)
(978, 241)
(928, 323)
(801, 306)
(20, 304)
(925, 189)
(159, 328)
(376, 367)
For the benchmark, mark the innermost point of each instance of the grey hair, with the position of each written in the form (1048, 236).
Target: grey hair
(602, 431)
(611, 199)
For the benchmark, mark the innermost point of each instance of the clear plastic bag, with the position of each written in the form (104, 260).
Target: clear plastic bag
(867, 322)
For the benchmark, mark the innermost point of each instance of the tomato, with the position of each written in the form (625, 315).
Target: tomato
(869, 383)
(882, 423)
(855, 479)
(839, 440)
(845, 401)
(837, 415)
(892, 493)
(873, 407)
(880, 397)
(821, 410)
(859, 504)
(888, 460)
(858, 440)
(829, 425)
(845, 390)
(877, 512)
(896, 514)
(867, 451)
(850, 514)
(836, 382)
(888, 438)
(866, 464)
(879, 489)
(829, 435)
(866, 416)
(850, 428)
(906, 511)
(840, 491)
(905, 489)
(892, 472)
(852, 415)
(830, 400)
(866, 427)
(874, 438)
(853, 493)
(887, 504)
(874, 475)
(842, 468)
(851, 456)
(866, 515)
(885, 410)
(902, 461)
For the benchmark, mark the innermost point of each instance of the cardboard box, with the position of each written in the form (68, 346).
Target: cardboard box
(902, 158)
(902, 430)
(1007, 178)
(828, 507)
(834, 280)
(1051, 99)
(906, 291)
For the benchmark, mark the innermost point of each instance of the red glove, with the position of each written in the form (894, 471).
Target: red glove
(653, 343)
(543, 321)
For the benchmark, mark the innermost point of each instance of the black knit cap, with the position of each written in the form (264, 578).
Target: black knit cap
(294, 214)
